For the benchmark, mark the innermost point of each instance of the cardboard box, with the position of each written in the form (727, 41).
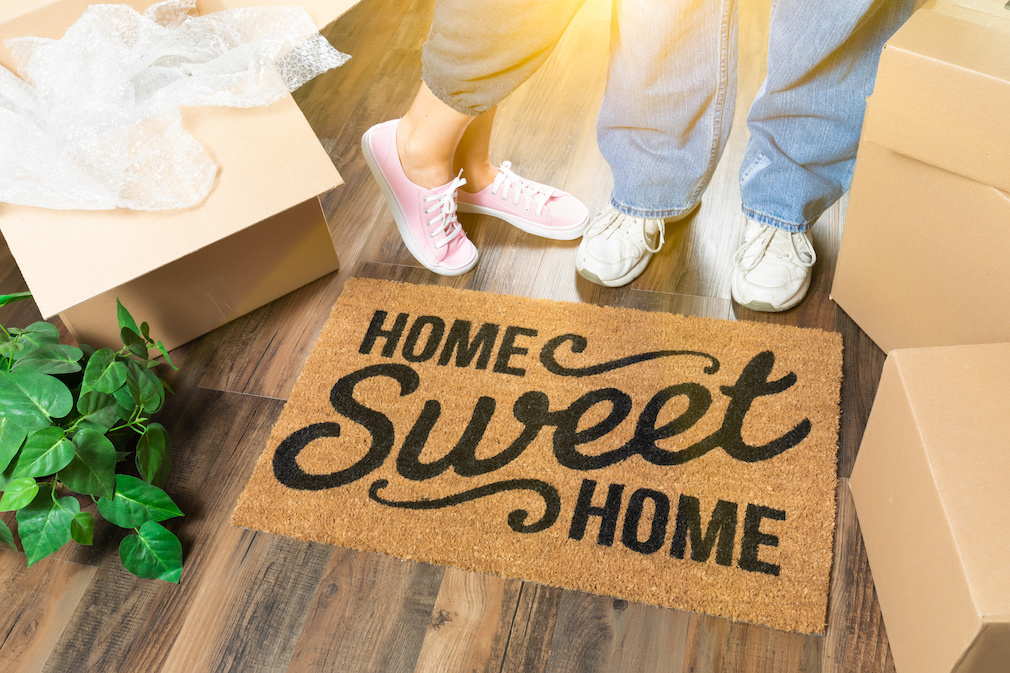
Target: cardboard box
(931, 486)
(925, 252)
(260, 233)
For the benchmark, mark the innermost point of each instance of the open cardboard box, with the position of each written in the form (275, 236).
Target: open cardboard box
(260, 233)
(925, 253)
(931, 486)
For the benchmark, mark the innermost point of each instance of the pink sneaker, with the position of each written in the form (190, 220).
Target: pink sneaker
(426, 218)
(536, 209)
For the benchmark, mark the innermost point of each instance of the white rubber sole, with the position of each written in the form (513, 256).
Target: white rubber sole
(398, 215)
(529, 226)
(633, 273)
(768, 307)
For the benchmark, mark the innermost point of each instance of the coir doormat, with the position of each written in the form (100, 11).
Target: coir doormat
(678, 461)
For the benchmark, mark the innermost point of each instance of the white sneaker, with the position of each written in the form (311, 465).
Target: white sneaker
(772, 268)
(616, 247)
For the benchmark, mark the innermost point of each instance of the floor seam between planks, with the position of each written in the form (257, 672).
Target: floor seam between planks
(243, 394)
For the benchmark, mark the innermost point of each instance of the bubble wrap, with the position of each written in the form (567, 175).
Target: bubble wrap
(93, 121)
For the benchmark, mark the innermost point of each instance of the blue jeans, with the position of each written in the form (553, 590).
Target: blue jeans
(671, 89)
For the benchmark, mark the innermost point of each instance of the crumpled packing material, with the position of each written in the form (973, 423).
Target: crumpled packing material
(93, 122)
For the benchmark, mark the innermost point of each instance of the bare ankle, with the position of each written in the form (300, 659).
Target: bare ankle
(478, 175)
(416, 160)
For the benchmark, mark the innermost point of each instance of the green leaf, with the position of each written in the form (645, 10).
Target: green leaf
(135, 502)
(152, 449)
(32, 400)
(151, 392)
(6, 536)
(8, 349)
(154, 553)
(50, 359)
(93, 468)
(125, 319)
(88, 425)
(11, 298)
(44, 524)
(17, 494)
(38, 333)
(128, 398)
(103, 373)
(134, 342)
(145, 331)
(46, 452)
(7, 476)
(168, 360)
(82, 528)
(11, 438)
(98, 408)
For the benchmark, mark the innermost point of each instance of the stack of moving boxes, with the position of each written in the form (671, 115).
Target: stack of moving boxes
(924, 270)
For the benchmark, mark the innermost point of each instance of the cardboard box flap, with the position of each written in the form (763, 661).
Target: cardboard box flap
(941, 77)
(268, 159)
(992, 13)
(11, 9)
(991, 649)
(970, 457)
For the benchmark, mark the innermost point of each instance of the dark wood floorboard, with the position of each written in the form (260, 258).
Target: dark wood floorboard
(38, 602)
(598, 634)
(252, 588)
(862, 363)
(471, 623)
(257, 602)
(532, 632)
(370, 614)
(856, 640)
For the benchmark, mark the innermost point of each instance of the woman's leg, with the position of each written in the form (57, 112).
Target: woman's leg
(477, 52)
(473, 153)
(427, 138)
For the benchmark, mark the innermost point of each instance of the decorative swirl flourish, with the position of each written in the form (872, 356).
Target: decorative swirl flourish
(549, 362)
(516, 518)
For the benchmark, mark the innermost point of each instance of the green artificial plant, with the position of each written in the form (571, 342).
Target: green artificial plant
(77, 421)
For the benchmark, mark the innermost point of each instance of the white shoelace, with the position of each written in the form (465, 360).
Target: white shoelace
(783, 247)
(445, 222)
(632, 230)
(533, 191)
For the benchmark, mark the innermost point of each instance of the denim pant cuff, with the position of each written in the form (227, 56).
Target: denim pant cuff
(649, 214)
(775, 222)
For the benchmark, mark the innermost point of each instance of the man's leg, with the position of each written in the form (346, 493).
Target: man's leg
(666, 115)
(805, 125)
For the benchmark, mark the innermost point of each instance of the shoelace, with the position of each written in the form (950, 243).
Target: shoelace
(753, 251)
(445, 222)
(533, 191)
(632, 229)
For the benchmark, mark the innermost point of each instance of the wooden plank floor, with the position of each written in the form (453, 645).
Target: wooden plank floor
(256, 602)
